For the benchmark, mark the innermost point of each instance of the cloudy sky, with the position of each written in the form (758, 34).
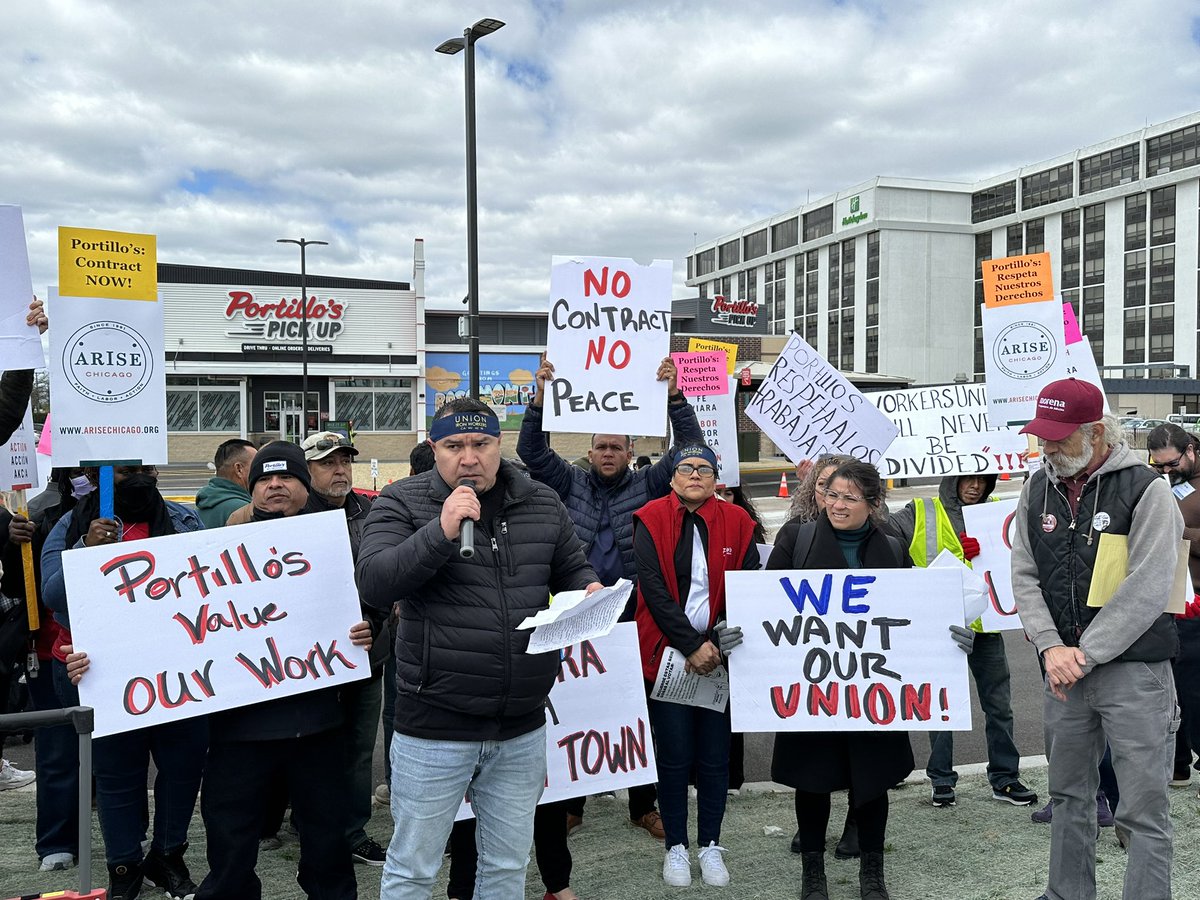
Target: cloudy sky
(605, 127)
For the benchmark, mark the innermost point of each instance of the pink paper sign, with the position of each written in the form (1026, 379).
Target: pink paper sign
(702, 373)
(43, 446)
(1071, 325)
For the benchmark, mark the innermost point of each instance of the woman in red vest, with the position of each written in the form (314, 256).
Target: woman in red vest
(684, 543)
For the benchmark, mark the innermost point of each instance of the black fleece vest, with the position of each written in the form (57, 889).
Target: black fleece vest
(1065, 560)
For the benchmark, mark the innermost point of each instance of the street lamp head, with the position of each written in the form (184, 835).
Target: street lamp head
(451, 46)
(485, 26)
(302, 242)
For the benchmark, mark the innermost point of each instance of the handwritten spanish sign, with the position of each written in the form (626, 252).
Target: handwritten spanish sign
(238, 616)
(992, 525)
(808, 408)
(597, 729)
(1024, 350)
(717, 417)
(20, 344)
(610, 324)
(847, 650)
(703, 345)
(944, 430)
(107, 363)
(702, 374)
(1017, 279)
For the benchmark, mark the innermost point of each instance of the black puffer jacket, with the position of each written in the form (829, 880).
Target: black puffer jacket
(461, 667)
(15, 387)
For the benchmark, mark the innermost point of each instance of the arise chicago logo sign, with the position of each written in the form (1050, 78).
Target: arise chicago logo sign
(1025, 350)
(108, 361)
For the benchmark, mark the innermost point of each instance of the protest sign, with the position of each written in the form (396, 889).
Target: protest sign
(1024, 350)
(717, 417)
(18, 461)
(698, 345)
(992, 525)
(1071, 325)
(610, 324)
(808, 408)
(944, 430)
(1015, 280)
(701, 374)
(847, 650)
(107, 364)
(1081, 364)
(575, 616)
(674, 684)
(189, 624)
(597, 729)
(20, 344)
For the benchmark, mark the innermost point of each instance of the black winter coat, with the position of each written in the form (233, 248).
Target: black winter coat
(867, 762)
(462, 672)
(16, 385)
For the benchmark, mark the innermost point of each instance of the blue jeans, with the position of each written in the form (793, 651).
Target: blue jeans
(989, 667)
(122, 764)
(56, 755)
(1132, 704)
(687, 736)
(504, 780)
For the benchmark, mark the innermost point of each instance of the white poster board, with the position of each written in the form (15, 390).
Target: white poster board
(108, 380)
(717, 416)
(993, 524)
(20, 344)
(190, 624)
(1024, 349)
(18, 462)
(597, 728)
(610, 325)
(847, 650)
(1081, 364)
(944, 430)
(808, 408)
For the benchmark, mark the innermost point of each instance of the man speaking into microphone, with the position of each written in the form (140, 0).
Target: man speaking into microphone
(470, 708)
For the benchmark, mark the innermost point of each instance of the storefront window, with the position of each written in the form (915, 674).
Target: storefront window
(375, 404)
(203, 404)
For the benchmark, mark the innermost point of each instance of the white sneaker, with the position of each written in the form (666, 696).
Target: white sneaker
(11, 777)
(677, 867)
(712, 865)
(56, 862)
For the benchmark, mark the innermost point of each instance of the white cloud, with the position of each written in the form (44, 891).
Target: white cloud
(609, 128)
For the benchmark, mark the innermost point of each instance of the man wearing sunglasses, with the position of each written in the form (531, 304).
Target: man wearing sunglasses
(1173, 453)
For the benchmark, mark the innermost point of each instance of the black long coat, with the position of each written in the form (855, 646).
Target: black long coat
(868, 762)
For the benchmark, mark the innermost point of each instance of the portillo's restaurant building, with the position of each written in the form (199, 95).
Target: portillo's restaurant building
(233, 357)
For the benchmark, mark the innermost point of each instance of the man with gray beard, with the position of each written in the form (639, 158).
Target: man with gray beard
(1108, 668)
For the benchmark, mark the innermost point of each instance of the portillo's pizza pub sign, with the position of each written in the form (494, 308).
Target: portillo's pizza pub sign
(269, 324)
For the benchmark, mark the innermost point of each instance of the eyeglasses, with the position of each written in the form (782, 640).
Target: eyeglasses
(329, 443)
(848, 499)
(1169, 464)
(702, 471)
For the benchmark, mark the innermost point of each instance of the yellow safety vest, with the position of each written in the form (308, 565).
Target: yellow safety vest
(927, 542)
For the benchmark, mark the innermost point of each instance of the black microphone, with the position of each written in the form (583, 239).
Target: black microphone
(466, 533)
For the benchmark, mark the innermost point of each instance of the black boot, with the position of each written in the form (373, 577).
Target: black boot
(125, 881)
(870, 876)
(812, 884)
(169, 872)
(847, 847)
(796, 848)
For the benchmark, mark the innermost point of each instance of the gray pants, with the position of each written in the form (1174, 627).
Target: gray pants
(1132, 705)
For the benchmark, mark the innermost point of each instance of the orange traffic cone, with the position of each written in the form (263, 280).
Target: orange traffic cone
(783, 491)
(1005, 476)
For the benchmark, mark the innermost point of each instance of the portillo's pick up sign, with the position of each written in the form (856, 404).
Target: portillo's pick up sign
(272, 321)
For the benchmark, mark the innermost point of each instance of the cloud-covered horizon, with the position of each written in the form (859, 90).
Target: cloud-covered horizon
(617, 128)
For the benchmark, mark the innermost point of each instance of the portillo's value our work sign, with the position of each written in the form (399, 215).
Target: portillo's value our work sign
(107, 365)
(847, 650)
(190, 624)
(610, 325)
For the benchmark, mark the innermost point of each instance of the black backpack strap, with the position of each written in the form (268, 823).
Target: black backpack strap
(805, 536)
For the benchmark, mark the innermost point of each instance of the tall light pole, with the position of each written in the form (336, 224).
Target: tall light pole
(482, 28)
(302, 243)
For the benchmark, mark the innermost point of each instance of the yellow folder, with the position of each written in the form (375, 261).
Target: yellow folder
(1112, 567)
